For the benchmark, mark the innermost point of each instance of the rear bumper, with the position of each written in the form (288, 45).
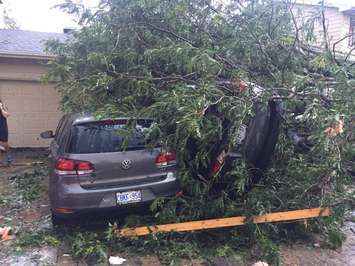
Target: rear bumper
(80, 200)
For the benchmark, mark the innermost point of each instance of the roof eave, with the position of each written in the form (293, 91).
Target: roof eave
(349, 12)
(26, 56)
(326, 5)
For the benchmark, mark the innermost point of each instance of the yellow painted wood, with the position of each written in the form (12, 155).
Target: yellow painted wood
(226, 222)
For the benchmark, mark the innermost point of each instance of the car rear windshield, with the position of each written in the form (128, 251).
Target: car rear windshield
(109, 136)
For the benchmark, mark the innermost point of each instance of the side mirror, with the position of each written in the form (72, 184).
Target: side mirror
(47, 134)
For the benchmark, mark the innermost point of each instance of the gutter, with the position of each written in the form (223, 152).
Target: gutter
(349, 11)
(26, 56)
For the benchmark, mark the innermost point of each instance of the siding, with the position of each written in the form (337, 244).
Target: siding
(337, 24)
(32, 104)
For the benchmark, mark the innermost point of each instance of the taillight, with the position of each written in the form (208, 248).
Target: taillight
(216, 166)
(84, 168)
(63, 210)
(65, 165)
(73, 167)
(166, 159)
(171, 155)
(218, 163)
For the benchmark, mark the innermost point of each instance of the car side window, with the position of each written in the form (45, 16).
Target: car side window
(59, 127)
(62, 132)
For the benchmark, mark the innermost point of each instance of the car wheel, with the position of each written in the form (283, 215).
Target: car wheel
(262, 135)
(58, 221)
(272, 135)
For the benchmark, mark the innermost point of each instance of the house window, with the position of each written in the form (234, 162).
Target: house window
(352, 32)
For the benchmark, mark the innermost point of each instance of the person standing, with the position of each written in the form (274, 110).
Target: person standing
(4, 133)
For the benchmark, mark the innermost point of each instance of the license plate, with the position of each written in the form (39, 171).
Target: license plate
(128, 197)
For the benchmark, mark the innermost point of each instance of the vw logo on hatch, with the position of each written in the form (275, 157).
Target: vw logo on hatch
(126, 164)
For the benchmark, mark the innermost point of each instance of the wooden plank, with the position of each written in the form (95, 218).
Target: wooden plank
(225, 222)
(292, 215)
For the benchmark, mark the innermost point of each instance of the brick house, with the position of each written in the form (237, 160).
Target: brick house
(339, 21)
(33, 104)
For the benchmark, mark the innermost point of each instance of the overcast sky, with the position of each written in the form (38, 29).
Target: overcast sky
(38, 15)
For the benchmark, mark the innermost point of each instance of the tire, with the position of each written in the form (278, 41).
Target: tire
(272, 135)
(58, 222)
(262, 135)
(256, 134)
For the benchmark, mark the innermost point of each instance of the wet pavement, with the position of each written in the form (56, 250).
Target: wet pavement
(306, 255)
(36, 216)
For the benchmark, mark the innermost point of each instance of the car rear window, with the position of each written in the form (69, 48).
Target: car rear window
(109, 136)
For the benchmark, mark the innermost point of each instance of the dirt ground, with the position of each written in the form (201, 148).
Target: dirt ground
(28, 217)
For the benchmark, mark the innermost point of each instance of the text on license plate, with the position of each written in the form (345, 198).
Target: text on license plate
(129, 197)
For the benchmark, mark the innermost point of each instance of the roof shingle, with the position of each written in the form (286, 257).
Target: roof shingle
(26, 43)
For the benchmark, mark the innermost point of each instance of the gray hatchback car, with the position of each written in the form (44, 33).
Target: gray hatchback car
(89, 170)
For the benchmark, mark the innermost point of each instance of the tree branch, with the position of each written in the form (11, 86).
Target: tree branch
(170, 33)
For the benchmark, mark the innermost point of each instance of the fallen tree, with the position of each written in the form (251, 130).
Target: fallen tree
(194, 66)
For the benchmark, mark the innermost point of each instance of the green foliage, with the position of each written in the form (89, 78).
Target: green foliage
(36, 239)
(31, 184)
(5, 200)
(173, 248)
(88, 246)
(45, 263)
(269, 251)
(168, 59)
(9, 21)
